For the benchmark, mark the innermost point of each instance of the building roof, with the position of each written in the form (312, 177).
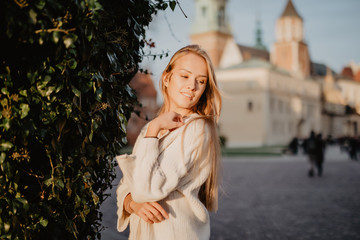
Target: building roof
(257, 63)
(318, 69)
(357, 76)
(347, 72)
(251, 52)
(143, 85)
(290, 10)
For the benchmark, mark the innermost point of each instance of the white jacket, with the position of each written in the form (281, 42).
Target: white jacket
(169, 170)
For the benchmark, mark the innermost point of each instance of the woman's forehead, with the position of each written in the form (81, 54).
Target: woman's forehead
(191, 63)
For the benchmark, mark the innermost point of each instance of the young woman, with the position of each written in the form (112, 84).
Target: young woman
(170, 181)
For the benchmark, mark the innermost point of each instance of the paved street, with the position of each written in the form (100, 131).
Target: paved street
(271, 198)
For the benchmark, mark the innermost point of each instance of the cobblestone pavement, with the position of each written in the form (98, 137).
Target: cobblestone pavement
(272, 198)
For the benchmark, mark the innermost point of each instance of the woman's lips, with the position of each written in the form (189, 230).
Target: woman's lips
(188, 95)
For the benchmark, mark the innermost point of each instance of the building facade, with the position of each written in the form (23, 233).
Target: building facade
(271, 97)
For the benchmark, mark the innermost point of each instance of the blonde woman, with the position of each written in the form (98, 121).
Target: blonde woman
(170, 181)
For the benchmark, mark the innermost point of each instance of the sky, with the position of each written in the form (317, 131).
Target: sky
(331, 29)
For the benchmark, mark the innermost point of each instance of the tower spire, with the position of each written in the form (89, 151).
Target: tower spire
(290, 11)
(258, 36)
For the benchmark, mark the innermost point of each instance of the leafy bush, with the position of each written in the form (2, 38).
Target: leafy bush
(64, 102)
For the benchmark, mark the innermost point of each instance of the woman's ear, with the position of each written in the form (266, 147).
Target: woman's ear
(166, 80)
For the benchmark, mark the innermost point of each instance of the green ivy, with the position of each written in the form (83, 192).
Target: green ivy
(64, 105)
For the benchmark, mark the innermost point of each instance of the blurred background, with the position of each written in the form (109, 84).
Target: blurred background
(285, 68)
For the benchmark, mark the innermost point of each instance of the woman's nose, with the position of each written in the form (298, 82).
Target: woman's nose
(191, 84)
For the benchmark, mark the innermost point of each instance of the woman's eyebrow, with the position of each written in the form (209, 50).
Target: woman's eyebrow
(185, 70)
(205, 76)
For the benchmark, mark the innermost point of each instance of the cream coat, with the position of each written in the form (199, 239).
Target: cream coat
(169, 170)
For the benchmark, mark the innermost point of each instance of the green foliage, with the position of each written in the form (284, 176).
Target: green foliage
(64, 104)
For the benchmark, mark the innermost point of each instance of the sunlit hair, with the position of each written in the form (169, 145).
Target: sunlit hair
(208, 107)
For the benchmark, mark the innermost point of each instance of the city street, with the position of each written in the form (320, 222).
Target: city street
(273, 198)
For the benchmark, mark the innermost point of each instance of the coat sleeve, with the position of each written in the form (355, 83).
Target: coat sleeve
(151, 181)
(123, 217)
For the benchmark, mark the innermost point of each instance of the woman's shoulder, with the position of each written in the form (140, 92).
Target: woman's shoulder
(197, 124)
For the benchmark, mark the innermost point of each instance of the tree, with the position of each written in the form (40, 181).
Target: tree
(64, 101)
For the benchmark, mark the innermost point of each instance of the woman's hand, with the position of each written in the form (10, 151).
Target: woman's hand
(165, 121)
(150, 212)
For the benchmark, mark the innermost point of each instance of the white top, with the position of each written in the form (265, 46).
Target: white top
(169, 170)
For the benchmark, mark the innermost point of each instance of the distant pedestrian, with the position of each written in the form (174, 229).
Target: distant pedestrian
(293, 146)
(354, 146)
(320, 152)
(315, 151)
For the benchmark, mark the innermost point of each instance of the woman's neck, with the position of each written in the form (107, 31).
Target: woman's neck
(182, 112)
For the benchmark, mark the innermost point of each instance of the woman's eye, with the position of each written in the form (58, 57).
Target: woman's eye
(202, 81)
(184, 76)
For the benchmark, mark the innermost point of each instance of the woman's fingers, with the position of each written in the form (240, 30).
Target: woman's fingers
(175, 120)
(165, 121)
(151, 216)
(177, 117)
(145, 217)
(160, 210)
(157, 217)
(151, 212)
(158, 213)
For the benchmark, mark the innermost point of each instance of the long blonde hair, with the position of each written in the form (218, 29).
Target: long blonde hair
(208, 107)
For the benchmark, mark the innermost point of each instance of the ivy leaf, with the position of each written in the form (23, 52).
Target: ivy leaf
(23, 93)
(44, 222)
(60, 184)
(24, 110)
(172, 5)
(2, 157)
(95, 198)
(98, 94)
(24, 202)
(7, 228)
(75, 91)
(165, 5)
(4, 146)
(5, 124)
(72, 63)
(33, 16)
(48, 181)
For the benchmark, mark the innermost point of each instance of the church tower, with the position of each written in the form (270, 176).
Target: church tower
(211, 29)
(258, 36)
(290, 51)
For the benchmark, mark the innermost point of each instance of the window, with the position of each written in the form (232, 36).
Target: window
(272, 107)
(204, 11)
(221, 16)
(250, 106)
(280, 106)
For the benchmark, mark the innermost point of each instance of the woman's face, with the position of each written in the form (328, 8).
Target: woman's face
(186, 83)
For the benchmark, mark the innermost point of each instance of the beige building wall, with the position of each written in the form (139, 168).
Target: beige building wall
(242, 118)
(265, 107)
(350, 90)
